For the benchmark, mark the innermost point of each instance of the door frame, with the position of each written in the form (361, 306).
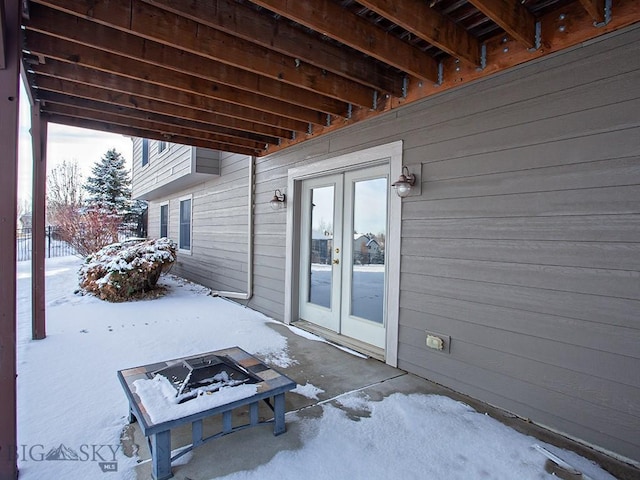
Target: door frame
(390, 153)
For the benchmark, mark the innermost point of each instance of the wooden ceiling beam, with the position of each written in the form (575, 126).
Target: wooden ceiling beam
(127, 100)
(595, 8)
(168, 121)
(80, 31)
(329, 18)
(512, 16)
(417, 17)
(65, 51)
(140, 133)
(165, 27)
(87, 76)
(279, 35)
(160, 128)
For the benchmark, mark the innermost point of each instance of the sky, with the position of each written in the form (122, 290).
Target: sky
(64, 143)
(70, 401)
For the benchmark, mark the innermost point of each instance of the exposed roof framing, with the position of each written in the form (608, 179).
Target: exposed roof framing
(512, 16)
(256, 76)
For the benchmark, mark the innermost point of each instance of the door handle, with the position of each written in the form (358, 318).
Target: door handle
(336, 261)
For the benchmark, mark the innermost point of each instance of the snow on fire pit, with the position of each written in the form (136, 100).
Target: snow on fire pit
(193, 385)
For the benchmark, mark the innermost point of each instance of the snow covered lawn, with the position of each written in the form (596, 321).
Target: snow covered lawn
(72, 408)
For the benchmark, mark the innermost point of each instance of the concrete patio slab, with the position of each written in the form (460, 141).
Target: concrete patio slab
(336, 372)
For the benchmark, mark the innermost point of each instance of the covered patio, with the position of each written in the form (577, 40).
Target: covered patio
(350, 416)
(248, 77)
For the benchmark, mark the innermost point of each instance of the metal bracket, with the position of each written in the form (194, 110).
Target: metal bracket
(26, 13)
(328, 120)
(607, 15)
(310, 129)
(483, 57)
(349, 111)
(538, 37)
(293, 136)
(440, 74)
(405, 86)
(375, 100)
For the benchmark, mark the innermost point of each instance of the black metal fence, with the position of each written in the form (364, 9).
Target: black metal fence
(54, 245)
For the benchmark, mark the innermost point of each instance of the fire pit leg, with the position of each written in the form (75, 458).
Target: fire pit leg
(278, 414)
(161, 455)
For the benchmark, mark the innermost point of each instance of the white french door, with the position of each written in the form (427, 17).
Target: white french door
(343, 232)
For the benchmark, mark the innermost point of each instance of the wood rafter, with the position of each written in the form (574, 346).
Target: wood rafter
(136, 132)
(125, 99)
(87, 76)
(595, 8)
(244, 22)
(512, 16)
(163, 129)
(423, 21)
(164, 27)
(169, 121)
(327, 17)
(262, 75)
(86, 33)
(64, 51)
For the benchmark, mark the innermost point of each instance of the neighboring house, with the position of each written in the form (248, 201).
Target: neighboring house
(366, 249)
(321, 246)
(519, 246)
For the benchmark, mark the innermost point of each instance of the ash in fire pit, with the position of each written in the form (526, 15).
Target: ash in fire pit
(196, 376)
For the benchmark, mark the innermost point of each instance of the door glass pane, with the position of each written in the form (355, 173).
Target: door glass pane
(321, 246)
(369, 234)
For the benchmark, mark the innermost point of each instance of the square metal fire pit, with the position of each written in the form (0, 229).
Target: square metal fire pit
(209, 372)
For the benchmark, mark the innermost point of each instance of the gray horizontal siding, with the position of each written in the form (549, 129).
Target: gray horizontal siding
(524, 245)
(172, 163)
(218, 257)
(207, 161)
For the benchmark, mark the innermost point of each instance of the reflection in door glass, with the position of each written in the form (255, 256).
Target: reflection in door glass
(369, 235)
(321, 246)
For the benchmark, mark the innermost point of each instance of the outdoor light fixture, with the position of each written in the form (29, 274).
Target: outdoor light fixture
(404, 183)
(278, 201)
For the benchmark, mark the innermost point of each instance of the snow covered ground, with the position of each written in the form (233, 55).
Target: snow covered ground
(71, 408)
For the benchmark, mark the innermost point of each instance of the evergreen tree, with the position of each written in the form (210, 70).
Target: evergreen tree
(109, 186)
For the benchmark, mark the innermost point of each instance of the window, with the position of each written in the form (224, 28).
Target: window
(162, 146)
(145, 151)
(185, 225)
(164, 221)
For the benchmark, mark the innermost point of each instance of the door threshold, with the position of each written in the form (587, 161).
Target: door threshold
(333, 337)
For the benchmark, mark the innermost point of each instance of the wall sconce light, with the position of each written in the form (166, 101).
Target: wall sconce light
(404, 183)
(278, 201)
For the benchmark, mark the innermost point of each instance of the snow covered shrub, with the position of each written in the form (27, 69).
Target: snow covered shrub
(121, 271)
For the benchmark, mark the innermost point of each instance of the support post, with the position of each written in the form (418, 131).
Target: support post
(38, 236)
(279, 426)
(9, 98)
